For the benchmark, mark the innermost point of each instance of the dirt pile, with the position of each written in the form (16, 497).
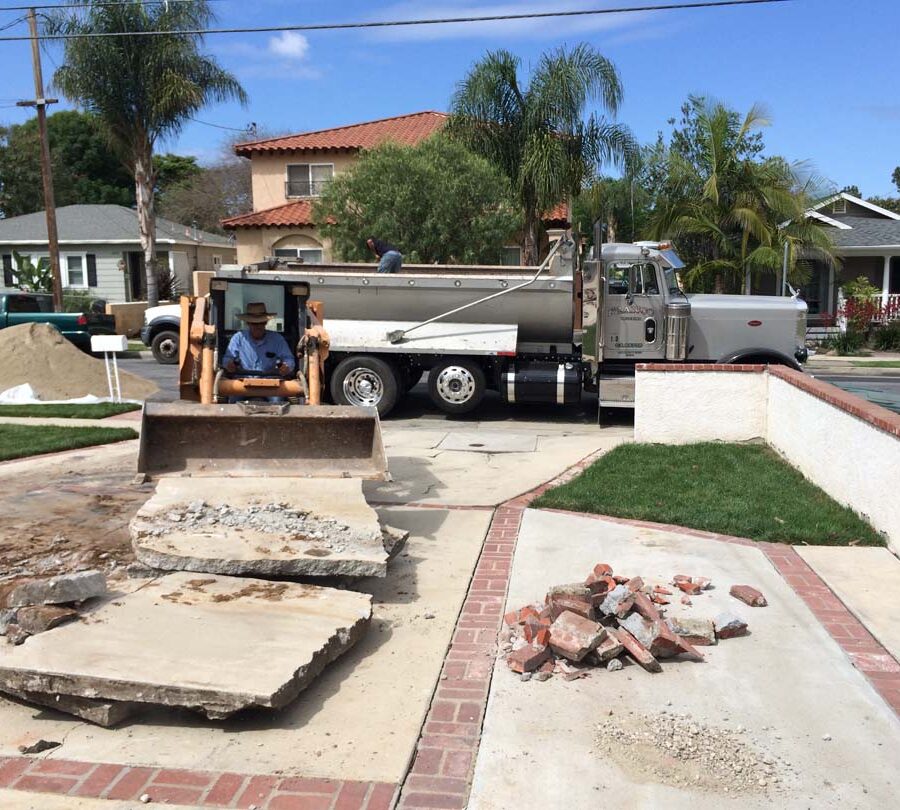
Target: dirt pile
(37, 354)
(675, 749)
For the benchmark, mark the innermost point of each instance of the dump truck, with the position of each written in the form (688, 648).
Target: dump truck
(223, 424)
(545, 334)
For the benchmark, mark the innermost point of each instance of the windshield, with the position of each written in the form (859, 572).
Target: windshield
(672, 280)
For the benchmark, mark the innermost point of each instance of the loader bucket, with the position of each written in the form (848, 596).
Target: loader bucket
(187, 438)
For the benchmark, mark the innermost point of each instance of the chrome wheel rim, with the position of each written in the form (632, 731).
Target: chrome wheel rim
(456, 385)
(362, 386)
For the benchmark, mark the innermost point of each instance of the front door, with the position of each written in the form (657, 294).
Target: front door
(634, 311)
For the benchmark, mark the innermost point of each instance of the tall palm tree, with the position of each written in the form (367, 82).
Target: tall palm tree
(142, 88)
(537, 133)
(736, 212)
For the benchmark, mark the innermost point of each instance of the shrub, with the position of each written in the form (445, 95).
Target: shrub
(76, 300)
(887, 337)
(849, 342)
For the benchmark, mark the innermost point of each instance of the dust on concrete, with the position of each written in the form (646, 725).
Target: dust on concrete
(680, 751)
(279, 519)
(38, 354)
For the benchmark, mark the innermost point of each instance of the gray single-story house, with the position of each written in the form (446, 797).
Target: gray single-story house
(867, 238)
(100, 249)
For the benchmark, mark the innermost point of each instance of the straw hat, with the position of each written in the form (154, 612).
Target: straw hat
(256, 313)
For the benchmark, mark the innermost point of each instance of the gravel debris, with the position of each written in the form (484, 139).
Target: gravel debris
(675, 749)
(269, 518)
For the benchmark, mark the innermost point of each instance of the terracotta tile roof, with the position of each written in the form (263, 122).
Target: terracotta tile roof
(405, 129)
(558, 215)
(290, 215)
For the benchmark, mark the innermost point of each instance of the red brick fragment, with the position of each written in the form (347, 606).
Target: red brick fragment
(634, 584)
(511, 618)
(525, 612)
(575, 598)
(527, 658)
(573, 636)
(692, 588)
(602, 570)
(660, 589)
(620, 580)
(542, 637)
(645, 607)
(635, 649)
(658, 599)
(748, 595)
(686, 600)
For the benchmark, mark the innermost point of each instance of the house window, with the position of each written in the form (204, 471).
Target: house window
(839, 206)
(217, 260)
(306, 255)
(511, 256)
(307, 179)
(75, 271)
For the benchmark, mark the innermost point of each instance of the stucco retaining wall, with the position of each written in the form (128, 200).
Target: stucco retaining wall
(847, 446)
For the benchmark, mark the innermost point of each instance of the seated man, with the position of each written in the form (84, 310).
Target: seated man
(257, 348)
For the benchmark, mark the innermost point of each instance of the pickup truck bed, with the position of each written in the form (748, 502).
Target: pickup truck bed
(18, 307)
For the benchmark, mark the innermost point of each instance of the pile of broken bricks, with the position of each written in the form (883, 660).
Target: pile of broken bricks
(597, 622)
(220, 623)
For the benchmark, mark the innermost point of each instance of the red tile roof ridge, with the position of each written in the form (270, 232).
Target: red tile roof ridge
(263, 141)
(262, 218)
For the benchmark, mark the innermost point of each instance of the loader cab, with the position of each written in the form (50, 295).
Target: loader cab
(287, 299)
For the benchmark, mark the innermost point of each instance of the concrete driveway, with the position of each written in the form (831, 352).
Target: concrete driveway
(788, 685)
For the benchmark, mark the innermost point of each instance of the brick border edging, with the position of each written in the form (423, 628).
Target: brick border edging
(194, 788)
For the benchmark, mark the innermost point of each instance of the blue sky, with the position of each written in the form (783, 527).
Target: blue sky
(826, 70)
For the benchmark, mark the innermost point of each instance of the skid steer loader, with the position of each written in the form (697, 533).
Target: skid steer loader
(203, 434)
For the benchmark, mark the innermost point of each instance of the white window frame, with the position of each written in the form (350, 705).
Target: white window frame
(64, 269)
(287, 179)
(839, 210)
(216, 260)
(297, 250)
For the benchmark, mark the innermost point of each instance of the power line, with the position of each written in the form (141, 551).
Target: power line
(395, 23)
(245, 130)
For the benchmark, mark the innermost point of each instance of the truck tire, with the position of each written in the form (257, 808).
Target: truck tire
(165, 347)
(361, 380)
(456, 385)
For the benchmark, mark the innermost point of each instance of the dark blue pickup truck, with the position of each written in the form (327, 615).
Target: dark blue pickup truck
(18, 307)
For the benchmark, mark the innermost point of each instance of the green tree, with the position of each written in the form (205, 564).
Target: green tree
(173, 169)
(143, 88)
(732, 210)
(79, 155)
(537, 134)
(436, 201)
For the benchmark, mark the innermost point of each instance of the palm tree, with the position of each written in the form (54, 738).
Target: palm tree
(537, 134)
(734, 212)
(142, 88)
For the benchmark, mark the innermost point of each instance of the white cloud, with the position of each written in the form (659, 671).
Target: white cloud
(289, 45)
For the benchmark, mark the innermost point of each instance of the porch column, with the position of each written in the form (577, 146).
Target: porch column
(886, 282)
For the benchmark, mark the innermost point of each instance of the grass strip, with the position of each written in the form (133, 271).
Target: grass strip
(745, 490)
(876, 363)
(98, 410)
(19, 441)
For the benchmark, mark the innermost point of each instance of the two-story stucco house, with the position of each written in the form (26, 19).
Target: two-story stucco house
(289, 172)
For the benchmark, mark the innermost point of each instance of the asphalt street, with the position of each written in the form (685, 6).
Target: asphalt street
(883, 390)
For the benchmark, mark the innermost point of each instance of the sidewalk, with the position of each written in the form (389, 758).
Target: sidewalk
(838, 364)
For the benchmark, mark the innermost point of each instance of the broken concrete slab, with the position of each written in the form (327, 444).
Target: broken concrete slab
(210, 643)
(59, 590)
(699, 632)
(36, 619)
(573, 636)
(728, 625)
(262, 527)
(106, 713)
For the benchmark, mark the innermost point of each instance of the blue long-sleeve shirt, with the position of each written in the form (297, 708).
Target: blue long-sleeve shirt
(261, 355)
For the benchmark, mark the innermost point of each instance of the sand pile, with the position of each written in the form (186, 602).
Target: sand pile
(37, 354)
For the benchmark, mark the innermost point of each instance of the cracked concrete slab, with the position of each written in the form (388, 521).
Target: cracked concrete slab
(490, 441)
(209, 643)
(273, 527)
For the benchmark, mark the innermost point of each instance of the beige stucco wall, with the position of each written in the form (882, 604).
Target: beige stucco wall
(255, 244)
(269, 173)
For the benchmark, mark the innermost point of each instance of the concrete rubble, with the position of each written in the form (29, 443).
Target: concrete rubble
(214, 644)
(282, 527)
(608, 617)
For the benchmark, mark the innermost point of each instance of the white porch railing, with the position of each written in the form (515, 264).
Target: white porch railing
(888, 307)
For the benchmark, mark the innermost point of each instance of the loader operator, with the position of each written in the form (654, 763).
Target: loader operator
(257, 348)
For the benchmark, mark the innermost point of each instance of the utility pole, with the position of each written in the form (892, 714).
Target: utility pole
(40, 103)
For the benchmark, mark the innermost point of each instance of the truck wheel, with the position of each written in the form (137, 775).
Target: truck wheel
(165, 347)
(456, 385)
(366, 381)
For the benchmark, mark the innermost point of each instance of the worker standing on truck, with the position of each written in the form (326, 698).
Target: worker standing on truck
(390, 259)
(258, 349)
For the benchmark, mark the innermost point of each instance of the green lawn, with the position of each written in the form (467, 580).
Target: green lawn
(18, 441)
(737, 489)
(876, 364)
(99, 410)
(137, 346)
